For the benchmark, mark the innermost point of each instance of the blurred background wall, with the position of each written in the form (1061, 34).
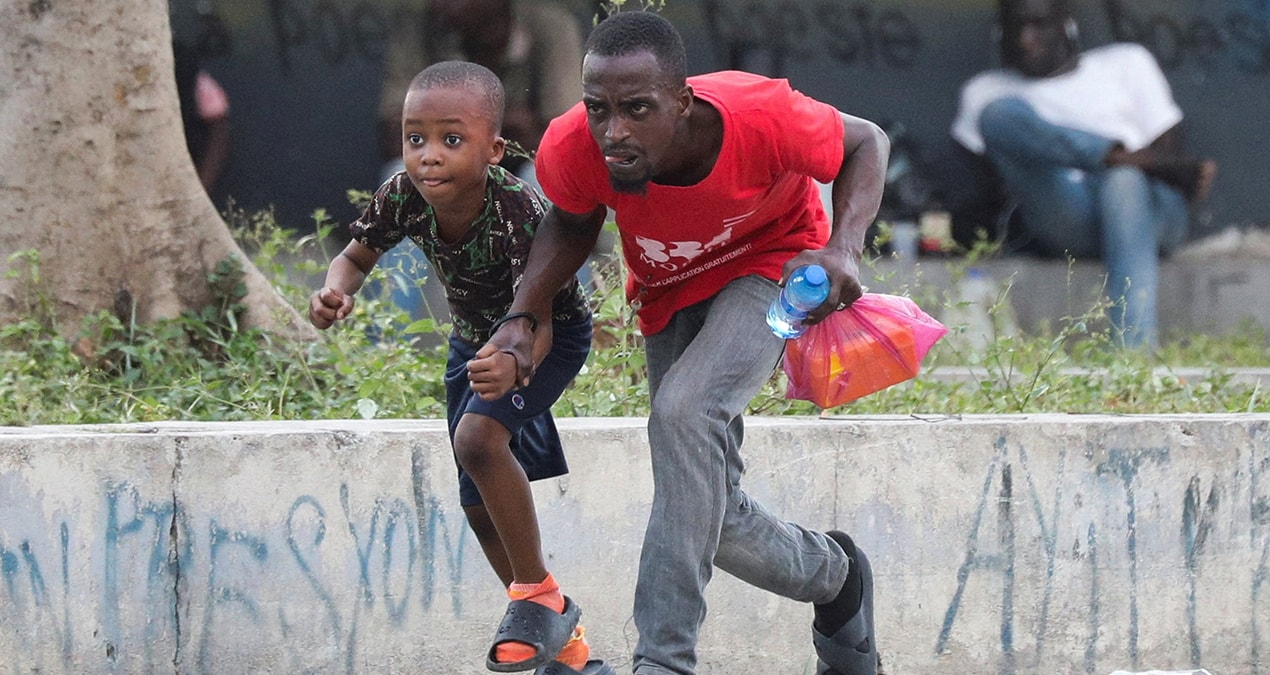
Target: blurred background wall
(304, 77)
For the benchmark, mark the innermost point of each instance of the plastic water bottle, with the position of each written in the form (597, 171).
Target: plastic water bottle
(806, 289)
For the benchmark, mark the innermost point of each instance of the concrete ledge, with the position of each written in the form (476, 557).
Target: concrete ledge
(1208, 295)
(1021, 544)
(1246, 377)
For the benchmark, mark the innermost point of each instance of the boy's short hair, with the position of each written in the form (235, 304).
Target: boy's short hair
(466, 75)
(629, 32)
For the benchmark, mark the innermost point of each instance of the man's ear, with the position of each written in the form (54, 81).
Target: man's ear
(685, 100)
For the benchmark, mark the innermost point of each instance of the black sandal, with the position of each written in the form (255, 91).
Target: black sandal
(593, 667)
(536, 625)
(852, 649)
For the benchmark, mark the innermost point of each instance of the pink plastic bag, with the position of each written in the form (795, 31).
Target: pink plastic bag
(878, 341)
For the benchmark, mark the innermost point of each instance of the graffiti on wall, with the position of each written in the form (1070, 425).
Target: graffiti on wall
(398, 556)
(1105, 534)
(1237, 33)
(874, 35)
(1084, 556)
(336, 31)
(777, 35)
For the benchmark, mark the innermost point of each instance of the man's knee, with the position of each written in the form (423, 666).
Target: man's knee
(1002, 118)
(1126, 180)
(676, 407)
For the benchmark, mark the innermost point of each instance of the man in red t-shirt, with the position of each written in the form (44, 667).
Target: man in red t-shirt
(711, 179)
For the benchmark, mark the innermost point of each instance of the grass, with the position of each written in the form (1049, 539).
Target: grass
(204, 366)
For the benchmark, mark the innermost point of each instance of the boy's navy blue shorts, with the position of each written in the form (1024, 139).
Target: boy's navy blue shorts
(526, 412)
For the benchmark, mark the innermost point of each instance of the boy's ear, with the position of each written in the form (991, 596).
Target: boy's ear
(498, 150)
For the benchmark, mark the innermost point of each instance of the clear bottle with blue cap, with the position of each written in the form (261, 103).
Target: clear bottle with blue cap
(805, 290)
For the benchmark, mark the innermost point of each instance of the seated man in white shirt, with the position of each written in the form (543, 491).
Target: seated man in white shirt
(1089, 146)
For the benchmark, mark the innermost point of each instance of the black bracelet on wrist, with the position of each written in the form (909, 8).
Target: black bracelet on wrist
(533, 321)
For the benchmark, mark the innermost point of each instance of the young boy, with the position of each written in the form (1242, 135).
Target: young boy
(475, 222)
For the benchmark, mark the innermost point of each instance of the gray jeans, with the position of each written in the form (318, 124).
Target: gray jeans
(703, 368)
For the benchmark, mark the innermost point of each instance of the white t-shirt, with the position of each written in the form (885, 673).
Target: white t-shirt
(1116, 91)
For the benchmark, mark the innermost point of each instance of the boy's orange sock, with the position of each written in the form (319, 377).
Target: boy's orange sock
(546, 593)
(576, 651)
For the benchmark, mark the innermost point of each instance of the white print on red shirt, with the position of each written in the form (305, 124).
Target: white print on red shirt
(675, 255)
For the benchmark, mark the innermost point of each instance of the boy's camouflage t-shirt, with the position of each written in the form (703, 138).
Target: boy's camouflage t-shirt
(480, 271)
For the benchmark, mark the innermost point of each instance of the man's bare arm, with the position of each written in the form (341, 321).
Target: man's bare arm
(1166, 158)
(857, 195)
(561, 245)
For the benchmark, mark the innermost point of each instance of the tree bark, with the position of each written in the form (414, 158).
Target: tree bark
(95, 175)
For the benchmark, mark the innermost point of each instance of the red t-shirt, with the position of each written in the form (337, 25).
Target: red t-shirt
(757, 209)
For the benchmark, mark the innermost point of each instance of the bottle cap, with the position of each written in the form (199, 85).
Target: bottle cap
(815, 275)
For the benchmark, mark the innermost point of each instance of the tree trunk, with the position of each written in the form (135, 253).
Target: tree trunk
(95, 175)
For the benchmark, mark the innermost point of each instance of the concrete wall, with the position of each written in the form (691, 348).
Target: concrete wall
(1211, 295)
(1037, 544)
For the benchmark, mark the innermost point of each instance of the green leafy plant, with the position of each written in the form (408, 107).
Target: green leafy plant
(206, 366)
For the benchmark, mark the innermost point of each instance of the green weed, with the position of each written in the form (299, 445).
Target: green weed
(206, 366)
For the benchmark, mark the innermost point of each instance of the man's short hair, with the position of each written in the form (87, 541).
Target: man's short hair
(1007, 10)
(1011, 24)
(465, 75)
(630, 32)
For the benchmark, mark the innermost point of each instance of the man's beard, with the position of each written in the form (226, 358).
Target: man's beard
(630, 186)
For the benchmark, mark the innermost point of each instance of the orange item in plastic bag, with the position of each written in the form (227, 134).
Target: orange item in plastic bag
(878, 341)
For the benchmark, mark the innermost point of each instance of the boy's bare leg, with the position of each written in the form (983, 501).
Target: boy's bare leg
(483, 527)
(507, 528)
(481, 446)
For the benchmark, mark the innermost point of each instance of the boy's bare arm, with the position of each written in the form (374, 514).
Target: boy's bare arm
(334, 301)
